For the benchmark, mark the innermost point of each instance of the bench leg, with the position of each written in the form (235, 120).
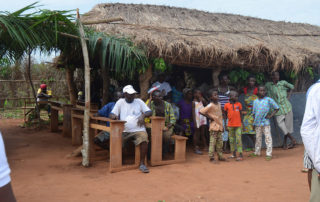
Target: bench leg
(76, 132)
(180, 150)
(54, 120)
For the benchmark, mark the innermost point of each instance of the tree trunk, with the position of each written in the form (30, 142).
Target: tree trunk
(106, 84)
(144, 80)
(215, 76)
(28, 70)
(87, 144)
(71, 86)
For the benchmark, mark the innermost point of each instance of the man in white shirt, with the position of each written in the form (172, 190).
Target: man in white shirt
(165, 87)
(133, 111)
(310, 133)
(6, 193)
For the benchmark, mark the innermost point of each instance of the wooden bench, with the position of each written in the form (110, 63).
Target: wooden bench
(54, 118)
(77, 125)
(157, 125)
(116, 129)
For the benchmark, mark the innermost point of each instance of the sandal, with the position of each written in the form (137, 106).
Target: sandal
(268, 158)
(144, 168)
(197, 151)
(212, 160)
(222, 159)
(232, 157)
(239, 159)
(253, 155)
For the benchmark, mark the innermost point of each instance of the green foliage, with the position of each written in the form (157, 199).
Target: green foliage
(309, 70)
(291, 75)
(159, 65)
(260, 78)
(240, 77)
(120, 55)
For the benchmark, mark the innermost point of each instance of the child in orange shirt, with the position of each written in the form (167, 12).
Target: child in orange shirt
(233, 111)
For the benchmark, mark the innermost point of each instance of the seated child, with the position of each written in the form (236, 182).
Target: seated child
(214, 113)
(233, 112)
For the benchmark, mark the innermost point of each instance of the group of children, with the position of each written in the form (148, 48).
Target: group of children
(263, 109)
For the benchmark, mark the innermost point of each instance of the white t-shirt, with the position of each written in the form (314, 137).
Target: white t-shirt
(4, 167)
(163, 86)
(130, 112)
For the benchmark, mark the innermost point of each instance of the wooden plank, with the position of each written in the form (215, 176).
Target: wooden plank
(116, 145)
(76, 131)
(157, 124)
(54, 120)
(56, 108)
(77, 116)
(67, 125)
(100, 127)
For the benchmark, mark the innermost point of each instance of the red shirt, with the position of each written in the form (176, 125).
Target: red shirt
(234, 116)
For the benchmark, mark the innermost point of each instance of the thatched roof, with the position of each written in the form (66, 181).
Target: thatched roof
(201, 39)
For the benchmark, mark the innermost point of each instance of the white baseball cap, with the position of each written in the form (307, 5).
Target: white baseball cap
(129, 89)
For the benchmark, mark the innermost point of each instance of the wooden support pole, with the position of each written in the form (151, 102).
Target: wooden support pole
(86, 139)
(215, 76)
(54, 120)
(67, 120)
(102, 21)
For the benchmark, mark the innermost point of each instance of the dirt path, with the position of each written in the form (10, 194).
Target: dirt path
(40, 172)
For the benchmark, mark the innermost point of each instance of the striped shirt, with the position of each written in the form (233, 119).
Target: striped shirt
(223, 97)
(278, 92)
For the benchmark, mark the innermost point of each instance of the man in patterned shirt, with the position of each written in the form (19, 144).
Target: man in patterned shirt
(278, 90)
(263, 109)
(159, 107)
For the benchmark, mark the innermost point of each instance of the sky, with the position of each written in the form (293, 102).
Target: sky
(304, 11)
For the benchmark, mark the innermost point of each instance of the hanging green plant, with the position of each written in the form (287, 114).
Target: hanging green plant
(159, 65)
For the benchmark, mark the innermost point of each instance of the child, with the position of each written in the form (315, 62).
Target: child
(233, 112)
(199, 121)
(213, 112)
(262, 111)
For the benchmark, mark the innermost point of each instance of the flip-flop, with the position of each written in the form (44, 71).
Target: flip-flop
(232, 157)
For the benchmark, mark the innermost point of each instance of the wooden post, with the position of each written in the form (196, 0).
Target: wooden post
(157, 125)
(67, 127)
(76, 131)
(54, 120)
(86, 139)
(144, 83)
(215, 76)
(116, 145)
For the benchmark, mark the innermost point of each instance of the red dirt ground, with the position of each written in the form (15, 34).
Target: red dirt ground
(41, 172)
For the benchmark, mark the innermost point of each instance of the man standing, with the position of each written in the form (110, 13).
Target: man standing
(165, 87)
(278, 91)
(133, 111)
(310, 133)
